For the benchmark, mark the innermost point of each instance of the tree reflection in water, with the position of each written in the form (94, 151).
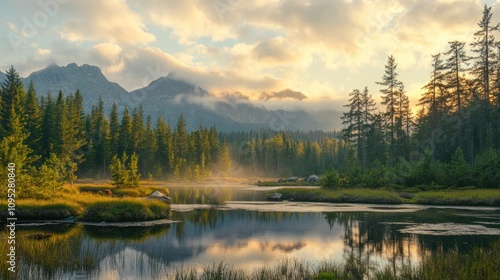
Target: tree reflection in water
(365, 241)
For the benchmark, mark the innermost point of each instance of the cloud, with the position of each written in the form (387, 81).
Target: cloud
(190, 19)
(319, 47)
(107, 21)
(143, 65)
(109, 56)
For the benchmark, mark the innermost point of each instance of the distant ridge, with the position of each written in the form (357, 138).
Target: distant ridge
(170, 97)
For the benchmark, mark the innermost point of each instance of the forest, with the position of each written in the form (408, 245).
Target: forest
(453, 141)
(51, 141)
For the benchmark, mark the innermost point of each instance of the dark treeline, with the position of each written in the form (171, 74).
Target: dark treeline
(51, 140)
(453, 141)
(273, 153)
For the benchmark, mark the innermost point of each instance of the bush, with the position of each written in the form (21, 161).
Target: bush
(125, 172)
(331, 180)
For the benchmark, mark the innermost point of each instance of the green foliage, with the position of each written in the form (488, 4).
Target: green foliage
(331, 180)
(459, 171)
(48, 178)
(124, 172)
(487, 169)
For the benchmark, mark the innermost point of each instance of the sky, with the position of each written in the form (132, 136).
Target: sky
(322, 48)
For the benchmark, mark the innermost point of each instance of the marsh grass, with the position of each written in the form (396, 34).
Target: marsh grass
(125, 210)
(52, 259)
(73, 201)
(342, 195)
(469, 197)
(477, 263)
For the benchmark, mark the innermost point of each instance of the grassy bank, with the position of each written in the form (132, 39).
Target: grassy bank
(478, 263)
(125, 210)
(91, 202)
(342, 196)
(474, 197)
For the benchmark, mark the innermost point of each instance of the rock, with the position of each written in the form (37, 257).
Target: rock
(275, 197)
(160, 196)
(292, 179)
(313, 179)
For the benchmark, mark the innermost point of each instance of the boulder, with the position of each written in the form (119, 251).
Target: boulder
(292, 179)
(313, 179)
(160, 196)
(275, 197)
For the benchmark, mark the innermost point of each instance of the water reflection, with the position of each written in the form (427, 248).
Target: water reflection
(246, 239)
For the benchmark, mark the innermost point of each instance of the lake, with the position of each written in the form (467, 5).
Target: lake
(248, 233)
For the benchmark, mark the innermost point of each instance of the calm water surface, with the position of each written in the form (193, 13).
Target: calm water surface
(251, 234)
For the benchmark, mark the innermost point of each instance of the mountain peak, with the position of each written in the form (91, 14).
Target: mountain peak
(171, 86)
(87, 78)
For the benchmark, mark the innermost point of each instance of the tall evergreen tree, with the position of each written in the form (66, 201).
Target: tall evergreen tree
(114, 130)
(33, 121)
(125, 140)
(390, 100)
(164, 150)
(454, 70)
(485, 46)
(98, 154)
(137, 128)
(13, 98)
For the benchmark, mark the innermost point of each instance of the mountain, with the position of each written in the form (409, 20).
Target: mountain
(89, 79)
(170, 97)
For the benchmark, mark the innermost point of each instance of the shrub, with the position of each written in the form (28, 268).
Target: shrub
(331, 180)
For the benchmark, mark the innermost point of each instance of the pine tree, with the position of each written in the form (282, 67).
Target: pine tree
(13, 136)
(124, 171)
(125, 140)
(390, 99)
(147, 149)
(367, 119)
(165, 155)
(98, 135)
(48, 130)
(358, 119)
(71, 130)
(454, 68)
(114, 130)
(353, 119)
(137, 128)
(485, 47)
(181, 147)
(13, 99)
(33, 121)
